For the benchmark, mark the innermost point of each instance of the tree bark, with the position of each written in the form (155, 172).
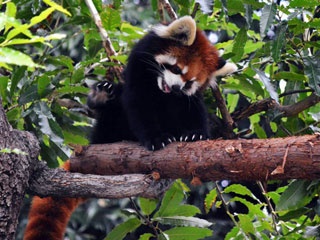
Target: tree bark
(255, 159)
(15, 170)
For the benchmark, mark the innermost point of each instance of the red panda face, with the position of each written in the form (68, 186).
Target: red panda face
(187, 68)
(192, 63)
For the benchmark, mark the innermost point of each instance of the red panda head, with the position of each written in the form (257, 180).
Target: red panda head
(191, 64)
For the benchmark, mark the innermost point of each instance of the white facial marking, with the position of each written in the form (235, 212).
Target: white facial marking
(159, 79)
(195, 86)
(165, 58)
(185, 69)
(172, 79)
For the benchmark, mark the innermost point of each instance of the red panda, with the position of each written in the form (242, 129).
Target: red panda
(159, 103)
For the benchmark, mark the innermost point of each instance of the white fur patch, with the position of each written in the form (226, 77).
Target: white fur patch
(185, 69)
(226, 69)
(165, 58)
(159, 79)
(172, 79)
(195, 86)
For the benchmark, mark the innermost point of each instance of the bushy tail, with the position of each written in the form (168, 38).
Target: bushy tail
(48, 217)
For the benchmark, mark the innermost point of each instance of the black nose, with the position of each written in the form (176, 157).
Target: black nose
(175, 88)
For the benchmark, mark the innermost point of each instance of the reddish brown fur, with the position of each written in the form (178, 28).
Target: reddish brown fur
(48, 217)
(201, 58)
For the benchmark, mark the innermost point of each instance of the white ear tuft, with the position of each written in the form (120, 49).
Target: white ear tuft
(182, 30)
(226, 69)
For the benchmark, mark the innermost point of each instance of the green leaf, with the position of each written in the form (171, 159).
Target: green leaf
(239, 189)
(3, 87)
(238, 45)
(291, 76)
(267, 17)
(295, 196)
(267, 83)
(111, 18)
(17, 75)
(184, 221)
(312, 70)
(235, 6)
(146, 236)
(233, 233)
(210, 199)
(259, 131)
(245, 223)
(10, 56)
(294, 214)
(303, 3)
(57, 7)
(188, 233)
(184, 210)
(43, 15)
(75, 89)
(170, 201)
(74, 139)
(47, 123)
(29, 95)
(278, 43)
(120, 231)
(11, 11)
(254, 209)
(61, 61)
(43, 82)
(147, 205)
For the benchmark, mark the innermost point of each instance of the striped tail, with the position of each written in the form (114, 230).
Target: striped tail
(48, 217)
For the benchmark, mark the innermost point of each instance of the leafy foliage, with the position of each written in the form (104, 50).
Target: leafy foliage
(50, 52)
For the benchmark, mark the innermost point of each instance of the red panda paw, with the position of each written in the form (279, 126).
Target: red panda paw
(194, 136)
(157, 143)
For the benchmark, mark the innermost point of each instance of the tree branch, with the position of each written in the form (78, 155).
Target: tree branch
(266, 104)
(254, 159)
(60, 183)
(105, 38)
(169, 9)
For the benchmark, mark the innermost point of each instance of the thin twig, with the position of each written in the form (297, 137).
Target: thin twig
(295, 91)
(195, 9)
(225, 205)
(273, 213)
(303, 129)
(161, 13)
(224, 112)
(167, 6)
(145, 219)
(104, 36)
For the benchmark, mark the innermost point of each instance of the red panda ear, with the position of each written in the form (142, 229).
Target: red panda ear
(182, 30)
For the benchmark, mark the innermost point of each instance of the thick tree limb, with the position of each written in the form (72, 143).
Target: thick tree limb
(255, 159)
(59, 183)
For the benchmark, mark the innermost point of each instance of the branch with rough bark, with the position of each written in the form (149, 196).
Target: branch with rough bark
(238, 160)
(268, 103)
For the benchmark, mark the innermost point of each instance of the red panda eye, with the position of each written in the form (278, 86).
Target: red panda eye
(175, 70)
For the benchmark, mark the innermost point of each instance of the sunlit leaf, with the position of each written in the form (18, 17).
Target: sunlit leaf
(184, 221)
(147, 205)
(210, 199)
(170, 201)
(120, 231)
(57, 7)
(188, 233)
(11, 56)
